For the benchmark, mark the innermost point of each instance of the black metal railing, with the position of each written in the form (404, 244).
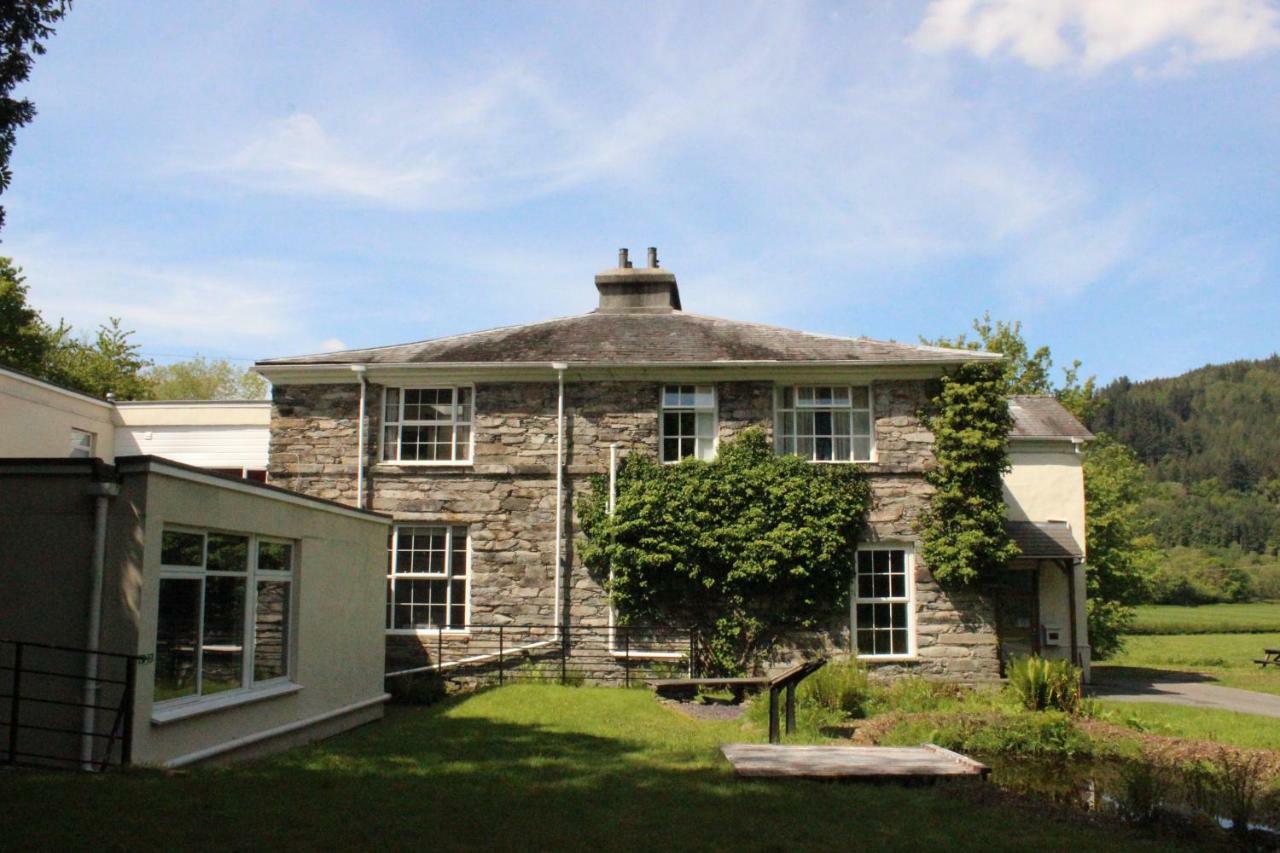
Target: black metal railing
(501, 654)
(44, 704)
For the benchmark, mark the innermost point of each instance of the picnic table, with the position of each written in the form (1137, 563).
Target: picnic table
(1270, 657)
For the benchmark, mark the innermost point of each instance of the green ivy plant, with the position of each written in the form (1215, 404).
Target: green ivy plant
(742, 548)
(963, 535)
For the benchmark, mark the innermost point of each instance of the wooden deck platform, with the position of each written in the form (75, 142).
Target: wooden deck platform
(859, 763)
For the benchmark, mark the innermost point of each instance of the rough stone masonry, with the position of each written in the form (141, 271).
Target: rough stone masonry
(506, 496)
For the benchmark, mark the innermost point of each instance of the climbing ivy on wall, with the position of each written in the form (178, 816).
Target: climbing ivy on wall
(962, 531)
(742, 548)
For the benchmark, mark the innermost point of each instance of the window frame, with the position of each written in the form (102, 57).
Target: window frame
(909, 568)
(713, 409)
(779, 411)
(92, 448)
(401, 423)
(249, 685)
(392, 575)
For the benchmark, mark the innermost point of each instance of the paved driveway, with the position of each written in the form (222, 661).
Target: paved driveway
(1178, 688)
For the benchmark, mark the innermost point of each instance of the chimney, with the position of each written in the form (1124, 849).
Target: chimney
(628, 290)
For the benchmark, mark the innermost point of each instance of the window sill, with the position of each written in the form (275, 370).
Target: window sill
(172, 711)
(874, 659)
(428, 632)
(636, 655)
(420, 463)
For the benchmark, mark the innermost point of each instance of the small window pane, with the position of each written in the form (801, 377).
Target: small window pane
(861, 423)
(271, 631)
(222, 652)
(228, 553)
(858, 397)
(275, 557)
(391, 412)
(177, 638)
(180, 548)
(862, 449)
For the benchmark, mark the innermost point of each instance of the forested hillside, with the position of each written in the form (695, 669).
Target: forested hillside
(1218, 422)
(1211, 441)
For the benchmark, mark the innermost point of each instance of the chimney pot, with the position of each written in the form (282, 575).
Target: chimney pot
(623, 263)
(653, 257)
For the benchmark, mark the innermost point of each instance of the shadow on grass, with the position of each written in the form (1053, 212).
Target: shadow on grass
(434, 779)
(1138, 678)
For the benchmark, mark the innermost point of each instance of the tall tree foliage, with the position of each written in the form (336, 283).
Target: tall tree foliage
(25, 339)
(743, 547)
(963, 532)
(1026, 371)
(24, 26)
(205, 379)
(1121, 557)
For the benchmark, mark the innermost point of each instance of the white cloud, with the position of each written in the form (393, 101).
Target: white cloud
(1092, 34)
(242, 309)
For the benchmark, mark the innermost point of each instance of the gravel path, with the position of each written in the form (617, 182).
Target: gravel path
(1178, 688)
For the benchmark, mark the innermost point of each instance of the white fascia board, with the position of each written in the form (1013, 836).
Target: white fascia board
(778, 371)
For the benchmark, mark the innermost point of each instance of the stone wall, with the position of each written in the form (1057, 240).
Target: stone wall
(506, 498)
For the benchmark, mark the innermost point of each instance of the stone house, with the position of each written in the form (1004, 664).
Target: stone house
(477, 445)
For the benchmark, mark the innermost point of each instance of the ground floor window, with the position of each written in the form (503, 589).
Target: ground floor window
(883, 621)
(225, 610)
(427, 585)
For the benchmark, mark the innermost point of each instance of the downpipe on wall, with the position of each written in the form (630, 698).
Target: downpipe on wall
(102, 493)
(360, 370)
(559, 367)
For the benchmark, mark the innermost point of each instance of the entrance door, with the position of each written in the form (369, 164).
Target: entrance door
(1017, 606)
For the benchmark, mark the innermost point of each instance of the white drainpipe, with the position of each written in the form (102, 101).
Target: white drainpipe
(102, 493)
(613, 477)
(360, 371)
(559, 367)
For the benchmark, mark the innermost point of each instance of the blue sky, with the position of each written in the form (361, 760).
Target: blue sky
(259, 179)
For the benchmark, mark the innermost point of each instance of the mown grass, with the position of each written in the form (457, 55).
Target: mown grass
(529, 767)
(1245, 730)
(1258, 618)
(1226, 659)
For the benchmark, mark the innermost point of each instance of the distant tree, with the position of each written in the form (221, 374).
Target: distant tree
(206, 379)
(1122, 557)
(108, 363)
(25, 339)
(24, 25)
(1026, 371)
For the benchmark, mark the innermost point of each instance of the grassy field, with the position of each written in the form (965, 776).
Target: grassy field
(525, 768)
(1208, 619)
(1229, 727)
(1226, 658)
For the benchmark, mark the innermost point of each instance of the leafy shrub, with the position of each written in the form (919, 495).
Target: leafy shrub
(1144, 785)
(913, 695)
(1046, 684)
(744, 549)
(1048, 734)
(1233, 784)
(839, 686)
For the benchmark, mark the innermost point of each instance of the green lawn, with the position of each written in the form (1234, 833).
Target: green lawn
(527, 767)
(1247, 730)
(1208, 619)
(1226, 658)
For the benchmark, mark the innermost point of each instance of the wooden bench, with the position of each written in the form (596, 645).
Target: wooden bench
(1270, 657)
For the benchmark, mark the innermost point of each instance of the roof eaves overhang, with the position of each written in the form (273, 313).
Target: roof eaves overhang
(340, 372)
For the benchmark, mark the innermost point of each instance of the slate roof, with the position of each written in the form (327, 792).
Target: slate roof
(1042, 416)
(1045, 540)
(670, 338)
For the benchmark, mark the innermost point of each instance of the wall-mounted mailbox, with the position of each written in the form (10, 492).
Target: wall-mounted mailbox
(1051, 635)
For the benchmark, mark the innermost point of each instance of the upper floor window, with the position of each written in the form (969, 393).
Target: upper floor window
(427, 582)
(825, 423)
(688, 422)
(81, 444)
(427, 424)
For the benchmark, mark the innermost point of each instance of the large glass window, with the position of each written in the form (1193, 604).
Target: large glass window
(825, 423)
(427, 424)
(224, 602)
(688, 422)
(427, 584)
(882, 617)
